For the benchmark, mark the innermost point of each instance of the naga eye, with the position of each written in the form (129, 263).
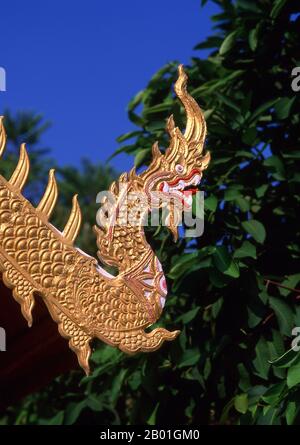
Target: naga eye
(179, 168)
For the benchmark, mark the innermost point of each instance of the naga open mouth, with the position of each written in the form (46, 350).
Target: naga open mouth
(183, 188)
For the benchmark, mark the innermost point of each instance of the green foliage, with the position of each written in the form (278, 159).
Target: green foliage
(229, 364)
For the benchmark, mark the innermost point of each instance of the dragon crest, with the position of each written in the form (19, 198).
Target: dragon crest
(82, 298)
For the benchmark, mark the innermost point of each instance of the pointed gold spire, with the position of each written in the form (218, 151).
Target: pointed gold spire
(48, 201)
(195, 125)
(156, 153)
(74, 222)
(20, 174)
(2, 136)
(123, 177)
(170, 125)
(132, 174)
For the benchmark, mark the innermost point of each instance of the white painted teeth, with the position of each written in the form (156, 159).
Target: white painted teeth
(196, 179)
(165, 187)
(181, 185)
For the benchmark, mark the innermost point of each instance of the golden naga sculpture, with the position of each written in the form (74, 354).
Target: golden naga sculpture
(82, 298)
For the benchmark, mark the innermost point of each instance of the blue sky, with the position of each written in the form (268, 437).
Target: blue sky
(79, 63)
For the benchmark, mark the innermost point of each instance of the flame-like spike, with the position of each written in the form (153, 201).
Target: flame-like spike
(48, 201)
(195, 125)
(132, 174)
(2, 136)
(123, 177)
(205, 160)
(179, 145)
(74, 222)
(113, 187)
(20, 174)
(170, 125)
(156, 153)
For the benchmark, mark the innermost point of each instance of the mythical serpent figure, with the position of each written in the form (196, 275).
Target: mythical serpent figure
(82, 298)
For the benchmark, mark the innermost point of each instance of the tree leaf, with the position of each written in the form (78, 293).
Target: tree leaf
(135, 101)
(189, 316)
(277, 167)
(277, 7)
(58, 419)
(211, 203)
(261, 362)
(253, 39)
(231, 194)
(286, 359)
(249, 136)
(222, 259)
(225, 263)
(247, 249)
(284, 314)
(266, 106)
(291, 281)
(293, 376)
(141, 157)
(152, 418)
(283, 107)
(241, 403)
(217, 278)
(189, 358)
(261, 190)
(233, 270)
(182, 264)
(291, 412)
(228, 43)
(126, 136)
(73, 411)
(256, 229)
(272, 395)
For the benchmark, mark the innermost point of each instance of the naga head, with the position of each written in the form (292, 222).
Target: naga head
(179, 170)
